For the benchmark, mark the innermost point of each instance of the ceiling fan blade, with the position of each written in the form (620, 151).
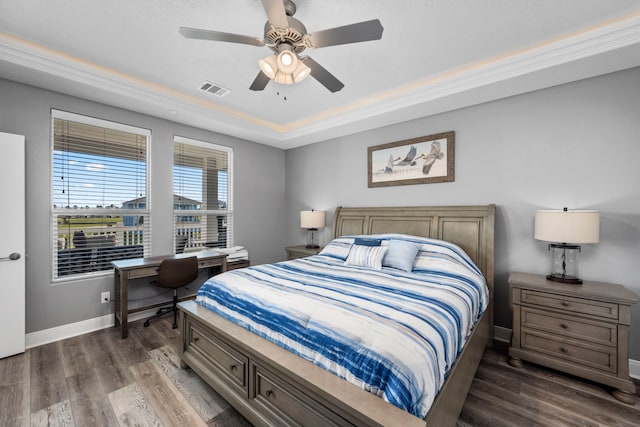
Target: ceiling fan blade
(320, 73)
(260, 82)
(354, 33)
(195, 33)
(276, 13)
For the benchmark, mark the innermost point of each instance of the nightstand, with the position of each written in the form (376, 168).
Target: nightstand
(241, 263)
(582, 330)
(300, 251)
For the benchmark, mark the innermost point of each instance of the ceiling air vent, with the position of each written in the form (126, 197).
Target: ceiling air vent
(214, 89)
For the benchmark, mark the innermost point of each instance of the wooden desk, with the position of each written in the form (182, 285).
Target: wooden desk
(135, 268)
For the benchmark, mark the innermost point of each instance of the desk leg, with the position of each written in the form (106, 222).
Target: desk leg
(116, 296)
(123, 303)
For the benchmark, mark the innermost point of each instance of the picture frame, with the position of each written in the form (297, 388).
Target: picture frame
(423, 160)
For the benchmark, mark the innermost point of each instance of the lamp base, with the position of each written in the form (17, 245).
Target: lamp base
(311, 239)
(564, 279)
(564, 263)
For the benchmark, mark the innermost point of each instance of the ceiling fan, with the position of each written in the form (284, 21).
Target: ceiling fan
(287, 37)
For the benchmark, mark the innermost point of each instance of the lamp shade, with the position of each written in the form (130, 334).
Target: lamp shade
(311, 219)
(567, 226)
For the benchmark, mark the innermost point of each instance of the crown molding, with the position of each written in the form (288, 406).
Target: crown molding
(434, 94)
(554, 53)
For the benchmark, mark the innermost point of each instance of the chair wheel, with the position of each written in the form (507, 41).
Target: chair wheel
(174, 326)
(146, 323)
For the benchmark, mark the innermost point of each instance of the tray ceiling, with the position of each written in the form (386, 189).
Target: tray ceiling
(434, 56)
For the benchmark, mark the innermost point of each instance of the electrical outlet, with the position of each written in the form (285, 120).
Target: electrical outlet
(105, 297)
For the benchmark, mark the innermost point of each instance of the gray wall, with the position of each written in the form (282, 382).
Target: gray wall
(575, 145)
(259, 189)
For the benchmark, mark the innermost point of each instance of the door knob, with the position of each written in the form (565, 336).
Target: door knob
(12, 257)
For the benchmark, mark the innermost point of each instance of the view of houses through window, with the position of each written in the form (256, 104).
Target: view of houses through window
(99, 188)
(201, 195)
(100, 207)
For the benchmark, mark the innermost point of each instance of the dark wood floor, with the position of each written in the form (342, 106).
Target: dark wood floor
(99, 380)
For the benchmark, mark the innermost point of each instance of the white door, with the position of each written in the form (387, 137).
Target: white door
(12, 245)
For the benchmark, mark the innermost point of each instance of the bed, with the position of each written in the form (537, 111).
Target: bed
(271, 385)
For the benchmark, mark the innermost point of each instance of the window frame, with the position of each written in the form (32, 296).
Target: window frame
(228, 212)
(54, 213)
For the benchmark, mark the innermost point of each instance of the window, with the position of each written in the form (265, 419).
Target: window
(202, 202)
(100, 211)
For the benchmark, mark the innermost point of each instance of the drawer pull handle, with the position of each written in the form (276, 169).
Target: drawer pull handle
(565, 304)
(233, 367)
(269, 393)
(563, 326)
(564, 350)
(196, 339)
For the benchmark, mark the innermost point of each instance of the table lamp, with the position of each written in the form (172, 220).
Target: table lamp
(311, 220)
(567, 229)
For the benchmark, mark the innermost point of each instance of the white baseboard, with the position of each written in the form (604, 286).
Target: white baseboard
(634, 369)
(58, 333)
(46, 336)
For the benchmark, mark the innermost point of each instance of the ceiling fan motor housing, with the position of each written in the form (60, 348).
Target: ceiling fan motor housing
(289, 7)
(293, 35)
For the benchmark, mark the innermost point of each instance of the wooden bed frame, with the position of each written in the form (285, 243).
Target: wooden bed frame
(271, 386)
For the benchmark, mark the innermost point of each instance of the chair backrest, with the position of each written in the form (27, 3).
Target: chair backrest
(177, 272)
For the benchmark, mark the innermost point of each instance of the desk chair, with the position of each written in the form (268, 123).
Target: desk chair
(174, 274)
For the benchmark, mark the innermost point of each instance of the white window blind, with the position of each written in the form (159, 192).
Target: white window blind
(100, 211)
(202, 202)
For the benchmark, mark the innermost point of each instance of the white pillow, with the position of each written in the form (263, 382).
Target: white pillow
(366, 256)
(338, 248)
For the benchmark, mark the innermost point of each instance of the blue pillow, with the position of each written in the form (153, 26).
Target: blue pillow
(400, 254)
(361, 241)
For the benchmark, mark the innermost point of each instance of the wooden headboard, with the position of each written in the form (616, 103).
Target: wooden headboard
(470, 227)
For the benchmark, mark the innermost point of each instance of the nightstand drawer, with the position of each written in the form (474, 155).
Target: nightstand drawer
(592, 356)
(583, 329)
(565, 303)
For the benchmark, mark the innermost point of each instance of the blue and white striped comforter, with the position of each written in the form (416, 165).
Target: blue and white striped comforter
(390, 332)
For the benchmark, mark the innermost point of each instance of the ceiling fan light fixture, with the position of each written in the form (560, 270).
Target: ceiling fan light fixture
(301, 72)
(283, 78)
(269, 66)
(287, 59)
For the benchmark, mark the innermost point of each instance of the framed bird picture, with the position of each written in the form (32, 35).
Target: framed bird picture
(422, 160)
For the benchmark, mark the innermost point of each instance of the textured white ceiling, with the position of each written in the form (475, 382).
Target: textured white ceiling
(434, 55)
